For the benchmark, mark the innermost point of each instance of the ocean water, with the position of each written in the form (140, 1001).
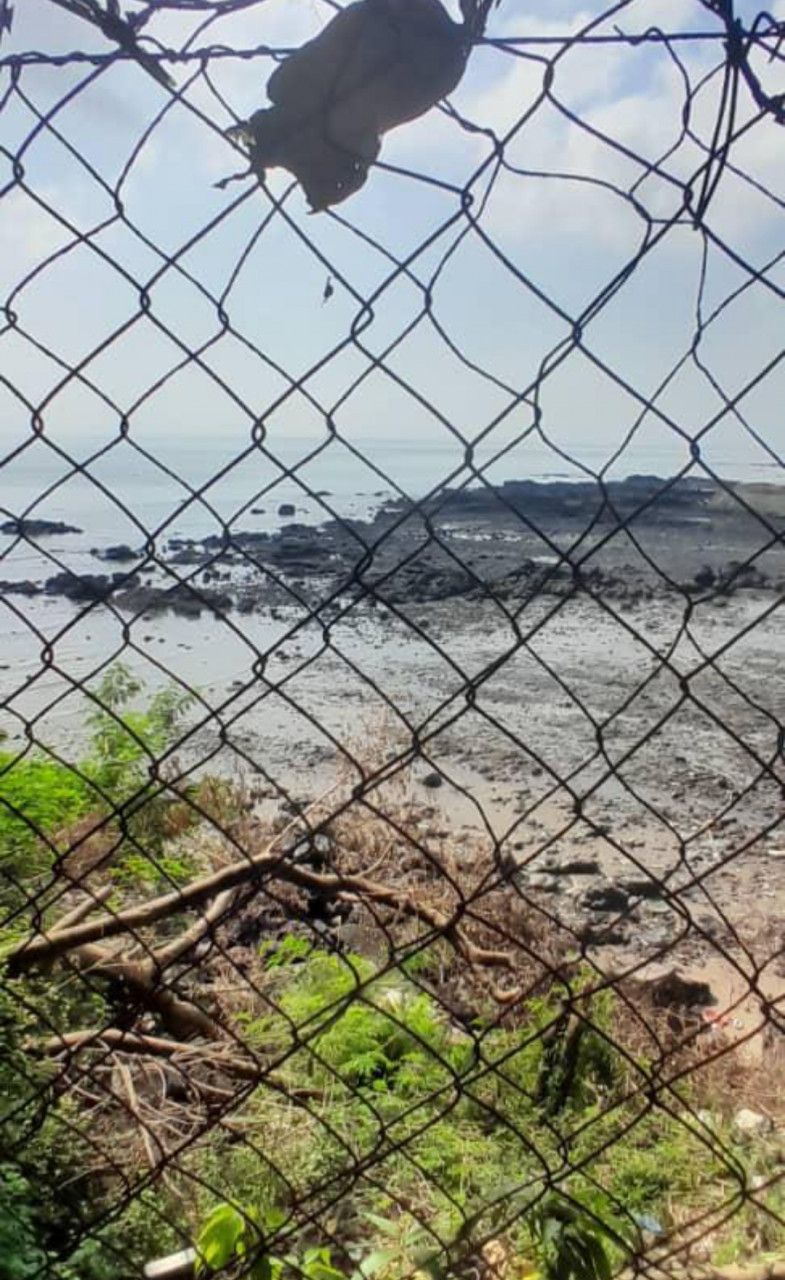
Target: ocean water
(191, 488)
(50, 649)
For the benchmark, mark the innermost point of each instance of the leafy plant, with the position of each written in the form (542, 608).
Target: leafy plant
(316, 1264)
(290, 950)
(125, 742)
(22, 1259)
(363, 1029)
(124, 739)
(569, 1244)
(229, 1234)
(406, 1248)
(38, 797)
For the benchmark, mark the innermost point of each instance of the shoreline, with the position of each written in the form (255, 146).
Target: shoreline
(687, 534)
(612, 718)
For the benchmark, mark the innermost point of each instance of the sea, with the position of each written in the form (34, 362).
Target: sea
(121, 492)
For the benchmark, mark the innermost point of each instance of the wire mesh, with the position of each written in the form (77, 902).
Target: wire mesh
(390, 847)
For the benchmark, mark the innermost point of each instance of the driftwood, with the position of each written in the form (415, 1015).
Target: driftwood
(146, 978)
(106, 945)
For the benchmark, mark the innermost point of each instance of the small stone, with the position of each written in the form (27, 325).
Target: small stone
(705, 578)
(433, 780)
(710, 925)
(669, 988)
(577, 867)
(286, 509)
(544, 883)
(595, 934)
(640, 888)
(120, 552)
(751, 1124)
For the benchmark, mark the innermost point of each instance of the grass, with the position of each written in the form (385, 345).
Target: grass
(444, 1133)
(385, 1133)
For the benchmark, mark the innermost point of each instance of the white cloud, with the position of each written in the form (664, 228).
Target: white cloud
(28, 235)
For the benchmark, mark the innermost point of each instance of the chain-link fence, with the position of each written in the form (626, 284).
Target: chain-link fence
(391, 782)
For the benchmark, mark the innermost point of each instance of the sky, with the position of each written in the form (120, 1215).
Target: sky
(550, 232)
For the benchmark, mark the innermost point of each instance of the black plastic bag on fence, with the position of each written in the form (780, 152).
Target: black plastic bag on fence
(377, 64)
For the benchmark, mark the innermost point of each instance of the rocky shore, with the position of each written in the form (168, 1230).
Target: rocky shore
(625, 541)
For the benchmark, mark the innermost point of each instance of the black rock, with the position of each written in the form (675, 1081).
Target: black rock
(182, 599)
(120, 553)
(87, 588)
(606, 897)
(642, 888)
(433, 780)
(576, 867)
(188, 555)
(594, 934)
(705, 578)
(286, 509)
(37, 528)
(669, 988)
(23, 588)
(292, 548)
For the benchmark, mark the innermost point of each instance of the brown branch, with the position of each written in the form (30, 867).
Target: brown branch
(133, 1106)
(134, 1042)
(142, 980)
(46, 947)
(171, 904)
(165, 956)
(85, 908)
(157, 1046)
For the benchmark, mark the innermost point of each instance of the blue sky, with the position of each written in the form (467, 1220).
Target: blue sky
(566, 238)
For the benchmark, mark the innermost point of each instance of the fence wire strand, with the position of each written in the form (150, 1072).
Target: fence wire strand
(390, 887)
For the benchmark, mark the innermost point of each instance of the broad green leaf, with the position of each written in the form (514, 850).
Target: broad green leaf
(218, 1239)
(323, 1271)
(272, 1217)
(374, 1262)
(384, 1224)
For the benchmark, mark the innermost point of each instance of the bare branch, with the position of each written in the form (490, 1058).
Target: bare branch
(46, 947)
(157, 1046)
(86, 907)
(143, 980)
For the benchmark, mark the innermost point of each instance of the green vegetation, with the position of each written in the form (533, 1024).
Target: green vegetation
(381, 1137)
(45, 1206)
(37, 798)
(41, 799)
(453, 1134)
